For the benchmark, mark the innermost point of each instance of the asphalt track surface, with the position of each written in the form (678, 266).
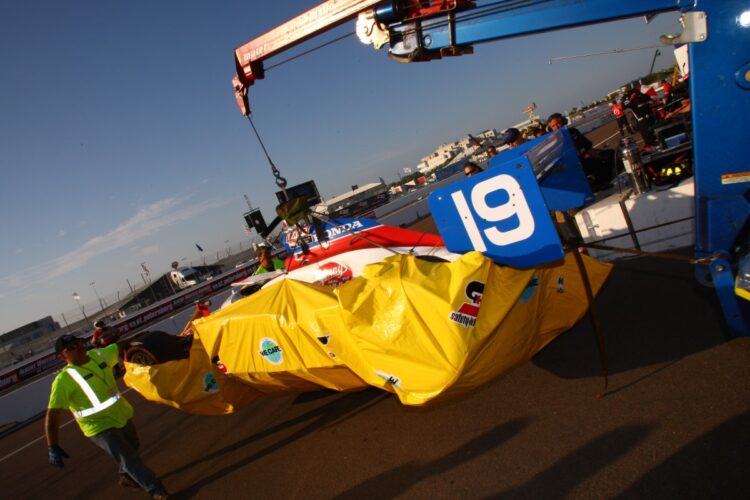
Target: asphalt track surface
(674, 424)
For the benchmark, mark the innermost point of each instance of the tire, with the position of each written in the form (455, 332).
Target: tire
(140, 356)
(160, 347)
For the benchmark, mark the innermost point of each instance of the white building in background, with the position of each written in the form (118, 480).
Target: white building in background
(356, 202)
(441, 156)
(487, 134)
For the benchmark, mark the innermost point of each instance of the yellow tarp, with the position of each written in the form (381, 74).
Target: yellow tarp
(273, 340)
(420, 329)
(423, 330)
(193, 385)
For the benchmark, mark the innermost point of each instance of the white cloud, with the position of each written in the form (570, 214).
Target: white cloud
(146, 222)
(19, 251)
(61, 233)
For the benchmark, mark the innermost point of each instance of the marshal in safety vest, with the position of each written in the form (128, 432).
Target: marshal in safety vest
(91, 394)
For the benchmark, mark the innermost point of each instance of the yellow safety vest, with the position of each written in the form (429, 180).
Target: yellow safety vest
(96, 404)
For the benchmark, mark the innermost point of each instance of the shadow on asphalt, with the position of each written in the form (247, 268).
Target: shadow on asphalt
(339, 410)
(652, 312)
(559, 480)
(705, 468)
(396, 481)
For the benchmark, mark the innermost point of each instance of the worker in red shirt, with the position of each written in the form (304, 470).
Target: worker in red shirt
(201, 309)
(103, 335)
(666, 89)
(618, 111)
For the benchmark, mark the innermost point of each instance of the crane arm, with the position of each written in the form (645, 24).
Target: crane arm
(324, 17)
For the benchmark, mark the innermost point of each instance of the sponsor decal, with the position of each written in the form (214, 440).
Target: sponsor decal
(389, 379)
(270, 350)
(332, 232)
(468, 312)
(217, 362)
(334, 274)
(292, 237)
(209, 383)
(560, 284)
(8, 379)
(530, 289)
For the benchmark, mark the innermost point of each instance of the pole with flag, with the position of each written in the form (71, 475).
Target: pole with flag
(200, 249)
(77, 298)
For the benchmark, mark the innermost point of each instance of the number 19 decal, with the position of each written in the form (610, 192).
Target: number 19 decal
(515, 206)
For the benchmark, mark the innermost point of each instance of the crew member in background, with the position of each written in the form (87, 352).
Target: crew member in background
(582, 144)
(201, 309)
(534, 131)
(512, 137)
(598, 165)
(87, 388)
(666, 89)
(618, 111)
(266, 263)
(640, 105)
(471, 168)
(103, 335)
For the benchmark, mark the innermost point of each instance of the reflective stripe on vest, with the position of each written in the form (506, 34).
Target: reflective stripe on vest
(96, 405)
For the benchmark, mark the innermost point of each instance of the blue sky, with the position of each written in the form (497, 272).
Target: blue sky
(120, 141)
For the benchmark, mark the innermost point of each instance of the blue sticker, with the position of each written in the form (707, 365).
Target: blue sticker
(209, 383)
(530, 289)
(270, 350)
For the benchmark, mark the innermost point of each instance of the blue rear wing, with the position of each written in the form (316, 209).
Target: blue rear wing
(504, 212)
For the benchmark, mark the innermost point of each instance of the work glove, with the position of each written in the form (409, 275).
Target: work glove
(56, 455)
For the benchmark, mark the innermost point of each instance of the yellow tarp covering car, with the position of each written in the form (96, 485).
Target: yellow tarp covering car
(273, 341)
(421, 329)
(194, 385)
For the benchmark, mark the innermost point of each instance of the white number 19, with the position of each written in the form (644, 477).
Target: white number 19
(516, 205)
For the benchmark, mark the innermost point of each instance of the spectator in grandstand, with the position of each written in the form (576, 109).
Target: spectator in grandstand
(471, 168)
(86, 387)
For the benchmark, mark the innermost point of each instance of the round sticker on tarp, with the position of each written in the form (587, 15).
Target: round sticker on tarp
(209, 383)
(270, 350)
